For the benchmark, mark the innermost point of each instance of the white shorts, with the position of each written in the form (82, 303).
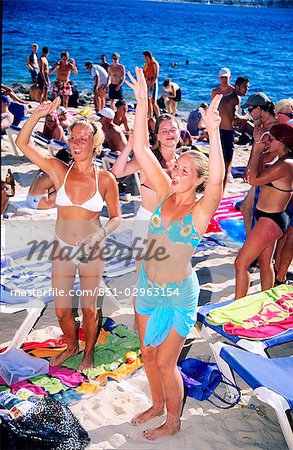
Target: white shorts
(140, 231)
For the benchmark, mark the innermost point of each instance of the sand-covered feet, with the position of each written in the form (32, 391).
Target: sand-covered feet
(169, 428)
(153, 411)
(59, 359)
(87, 362)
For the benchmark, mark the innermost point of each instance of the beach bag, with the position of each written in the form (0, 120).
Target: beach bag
(201, 379)
(47, 425)
(193, 121)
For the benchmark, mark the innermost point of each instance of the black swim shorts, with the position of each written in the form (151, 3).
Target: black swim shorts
(113, 94)
(227, 142)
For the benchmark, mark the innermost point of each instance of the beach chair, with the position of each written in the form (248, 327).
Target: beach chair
(257, 346)
(270, 379)
(52, 145)
(109, 158)
(18, 110)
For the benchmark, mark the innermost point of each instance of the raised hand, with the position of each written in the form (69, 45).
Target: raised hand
(138, 85)
(46, 108)
(211, 116)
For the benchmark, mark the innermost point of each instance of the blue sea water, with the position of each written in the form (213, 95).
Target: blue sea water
(253, 42)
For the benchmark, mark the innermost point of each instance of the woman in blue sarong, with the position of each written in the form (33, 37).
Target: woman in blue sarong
(168, 289)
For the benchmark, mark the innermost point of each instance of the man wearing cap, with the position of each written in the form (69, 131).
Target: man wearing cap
(115, 139)
(262, 111)
(225, 87)
(116, 72)
(6, 116)
(100, 77)
(62, 85)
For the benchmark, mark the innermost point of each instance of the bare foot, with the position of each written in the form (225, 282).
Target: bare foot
(166, 429)
(59, 359)
(143, 417)
(87, 362)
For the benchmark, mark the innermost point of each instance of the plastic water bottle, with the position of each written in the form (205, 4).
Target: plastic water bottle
(16, 406)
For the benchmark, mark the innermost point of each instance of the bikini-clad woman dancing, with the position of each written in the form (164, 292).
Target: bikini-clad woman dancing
(168, 289)
(81, 192)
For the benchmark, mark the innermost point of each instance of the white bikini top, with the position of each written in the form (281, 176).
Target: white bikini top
(95, 203)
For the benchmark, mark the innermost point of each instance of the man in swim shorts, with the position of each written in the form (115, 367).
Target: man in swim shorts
(43, 75)
(63, 68)
(116, 72)
(228, 110)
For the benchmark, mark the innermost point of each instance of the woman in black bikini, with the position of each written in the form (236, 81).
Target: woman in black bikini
(276, 187)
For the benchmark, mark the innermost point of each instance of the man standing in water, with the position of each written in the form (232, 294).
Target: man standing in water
(228, 110)
(43, 75)
(62, 86)
(151, 73)
(225, 87)
(117, 75)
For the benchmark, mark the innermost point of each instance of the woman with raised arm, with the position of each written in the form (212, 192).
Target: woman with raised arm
(168, 289)
(167, 136)
(276, 188)
(80, 194)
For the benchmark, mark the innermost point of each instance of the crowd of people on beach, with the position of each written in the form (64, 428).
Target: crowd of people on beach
(181, 188)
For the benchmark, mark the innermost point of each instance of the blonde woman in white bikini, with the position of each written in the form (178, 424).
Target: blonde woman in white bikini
(81, 192)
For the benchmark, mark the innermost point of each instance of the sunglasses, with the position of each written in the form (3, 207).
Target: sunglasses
(251, 108)
(268, 138)
(290, 115)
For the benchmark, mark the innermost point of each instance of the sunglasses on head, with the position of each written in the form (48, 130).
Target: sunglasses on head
(290, 115)
(251, 108)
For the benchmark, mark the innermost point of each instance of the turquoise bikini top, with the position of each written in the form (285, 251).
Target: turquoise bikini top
(180, 231)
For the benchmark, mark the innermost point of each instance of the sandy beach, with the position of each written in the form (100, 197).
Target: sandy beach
(106, 415)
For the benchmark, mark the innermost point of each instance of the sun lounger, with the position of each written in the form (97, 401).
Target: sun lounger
(52, 145)
(18, 110)
(270, 379)
(258, 346)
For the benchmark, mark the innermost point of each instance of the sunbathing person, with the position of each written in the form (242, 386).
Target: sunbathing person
(65, 118)
(167, 136)
(276, 187)
(6, 90)
(81, 192)
(121, 115)
(42, 192)
(52, 128)
(168, 288)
